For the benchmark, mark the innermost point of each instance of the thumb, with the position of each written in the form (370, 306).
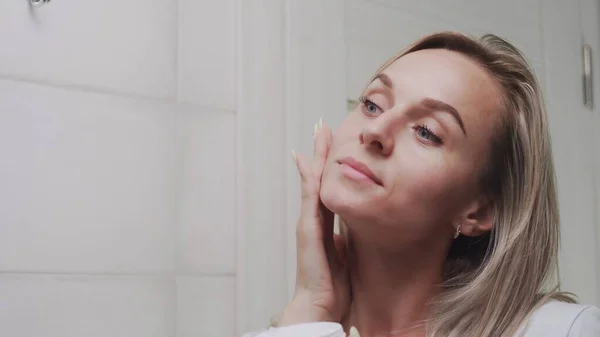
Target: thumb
(308, 187)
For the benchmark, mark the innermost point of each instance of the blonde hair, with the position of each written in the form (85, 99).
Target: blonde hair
(492, 283)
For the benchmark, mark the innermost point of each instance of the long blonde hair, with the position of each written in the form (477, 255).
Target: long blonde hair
(492, 283)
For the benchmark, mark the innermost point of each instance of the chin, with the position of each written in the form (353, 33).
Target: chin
(347, 203)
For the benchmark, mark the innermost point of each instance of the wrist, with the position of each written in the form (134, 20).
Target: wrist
(301, 310)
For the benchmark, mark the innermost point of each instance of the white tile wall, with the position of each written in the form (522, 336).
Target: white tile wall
(205, 306)
(490, 11)
(114, 45)
(207, 53)
(377, 30)
(206, 231)
(87, 181)
(75, 306)
(117, 175)
(117, 210)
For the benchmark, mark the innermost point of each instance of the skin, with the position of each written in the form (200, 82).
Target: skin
(427, 166)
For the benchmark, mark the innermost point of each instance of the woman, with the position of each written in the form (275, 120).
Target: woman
(444, 180)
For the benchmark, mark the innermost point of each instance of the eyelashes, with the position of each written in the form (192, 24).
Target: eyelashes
(368, 107)
(371, 109)
(425, 133)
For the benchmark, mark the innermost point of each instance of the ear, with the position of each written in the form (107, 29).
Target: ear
(476, 219)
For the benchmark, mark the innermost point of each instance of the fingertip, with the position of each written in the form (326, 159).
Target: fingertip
(327, 133)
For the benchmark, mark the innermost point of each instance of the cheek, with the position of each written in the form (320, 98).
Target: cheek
(347, 202)
(328, 195)
(333, 193)
(344, 141)
(345, 198)
(425, 189)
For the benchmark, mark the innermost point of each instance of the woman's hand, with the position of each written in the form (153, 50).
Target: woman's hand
(322, 290)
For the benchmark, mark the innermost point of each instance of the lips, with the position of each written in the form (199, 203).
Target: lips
(362, 168)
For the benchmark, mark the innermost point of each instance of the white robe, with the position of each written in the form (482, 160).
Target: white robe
(553, 319)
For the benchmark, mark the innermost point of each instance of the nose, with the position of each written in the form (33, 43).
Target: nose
(377, 137)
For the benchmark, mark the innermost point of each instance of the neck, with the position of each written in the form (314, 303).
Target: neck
(391, 288)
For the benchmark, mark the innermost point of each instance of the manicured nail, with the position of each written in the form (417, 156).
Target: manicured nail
(354, 332)
(320, 122)
(294, 156)
(315, 129)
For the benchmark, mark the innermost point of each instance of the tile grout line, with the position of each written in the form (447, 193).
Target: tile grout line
(99, 91)
(178, 167)
(166, 274)
(84, 88)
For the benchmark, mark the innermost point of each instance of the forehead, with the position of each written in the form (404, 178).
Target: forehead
(450, 77)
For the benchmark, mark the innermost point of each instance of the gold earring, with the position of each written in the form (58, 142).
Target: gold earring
(457, 233)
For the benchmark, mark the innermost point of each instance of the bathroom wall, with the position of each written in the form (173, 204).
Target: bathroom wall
(117, 174)
(146, 181)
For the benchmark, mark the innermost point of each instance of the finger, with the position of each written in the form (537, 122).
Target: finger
(308, 187)
(323, 140)
(322, 144)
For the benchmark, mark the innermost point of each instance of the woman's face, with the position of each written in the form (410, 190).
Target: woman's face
(423, 130)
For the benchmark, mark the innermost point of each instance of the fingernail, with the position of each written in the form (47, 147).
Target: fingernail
(294, 156)
(320, 122)
(315, 129)
(354, 332)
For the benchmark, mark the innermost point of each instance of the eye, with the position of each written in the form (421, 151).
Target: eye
(425, 133)
(368, 107)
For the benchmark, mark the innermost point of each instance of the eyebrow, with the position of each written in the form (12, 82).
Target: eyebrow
(385, 79)
(428, 103)
(434, 104)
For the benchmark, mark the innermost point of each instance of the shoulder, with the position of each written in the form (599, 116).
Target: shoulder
(560, 319)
